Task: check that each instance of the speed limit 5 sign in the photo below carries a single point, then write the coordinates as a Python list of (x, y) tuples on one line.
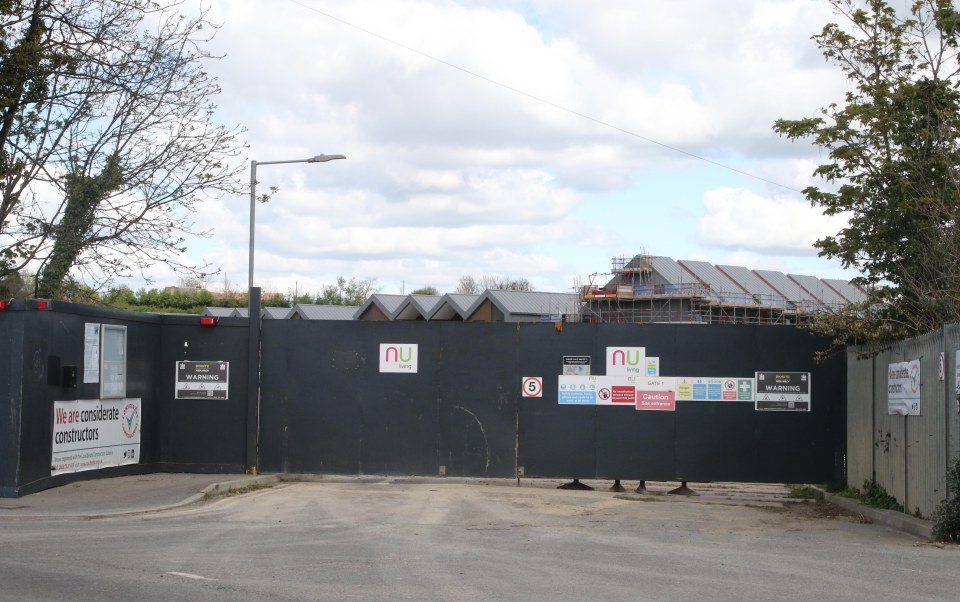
[(532, 386)]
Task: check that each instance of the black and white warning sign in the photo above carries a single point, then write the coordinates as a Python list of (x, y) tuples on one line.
[(576, 365), (202, 380), (786, 391)]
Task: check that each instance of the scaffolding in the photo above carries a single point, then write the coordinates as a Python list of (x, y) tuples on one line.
[(632, 297)]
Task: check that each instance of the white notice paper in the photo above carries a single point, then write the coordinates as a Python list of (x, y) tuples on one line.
[(91, 353)]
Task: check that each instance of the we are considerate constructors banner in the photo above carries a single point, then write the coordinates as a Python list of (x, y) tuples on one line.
[(95, 433)]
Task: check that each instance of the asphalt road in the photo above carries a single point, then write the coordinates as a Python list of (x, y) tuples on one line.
[(406, 540)]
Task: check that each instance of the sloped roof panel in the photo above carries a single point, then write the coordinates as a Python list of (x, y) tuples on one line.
[(747, 280), (820, 291), (452, 305), (848, 290), (710, 275), (784, 285), (388, 304), (276, 313), (534, 303), (721, 287), (218, 312), (310, 311), (670, 271)]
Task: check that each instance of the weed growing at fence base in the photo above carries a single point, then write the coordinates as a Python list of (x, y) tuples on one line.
[(805, 492), (874, 495)]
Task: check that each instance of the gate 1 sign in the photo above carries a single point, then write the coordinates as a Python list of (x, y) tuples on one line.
[(785, 391), (903, 388), (398, 357)]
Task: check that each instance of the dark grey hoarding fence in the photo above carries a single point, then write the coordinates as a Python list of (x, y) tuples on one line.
[(176, 435), (326, 407)]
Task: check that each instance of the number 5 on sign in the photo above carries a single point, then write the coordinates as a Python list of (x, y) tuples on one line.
[(532, 386)]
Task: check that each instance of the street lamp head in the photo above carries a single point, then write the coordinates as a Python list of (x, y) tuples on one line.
[(324, 158)]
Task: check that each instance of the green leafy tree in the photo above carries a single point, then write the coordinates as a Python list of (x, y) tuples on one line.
[(344, 292), (426, 290), (170, 300), (893, 155), (107, 137)]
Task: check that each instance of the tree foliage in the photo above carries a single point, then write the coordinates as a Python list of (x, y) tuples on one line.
[(171, 300), (107, 136), (893, 164), (469, 285), (344, 292), (426, 290)]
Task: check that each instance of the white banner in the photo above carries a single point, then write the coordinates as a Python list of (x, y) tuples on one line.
[(95, 433), (903, 388)]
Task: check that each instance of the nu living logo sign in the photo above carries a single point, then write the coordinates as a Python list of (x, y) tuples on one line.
[(398, 358), (626, 361)]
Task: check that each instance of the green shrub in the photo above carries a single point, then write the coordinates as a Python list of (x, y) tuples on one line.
[(946, 518), (875, 496)]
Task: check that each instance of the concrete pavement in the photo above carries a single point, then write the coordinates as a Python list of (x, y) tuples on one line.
[(162, 491), (125, 495)]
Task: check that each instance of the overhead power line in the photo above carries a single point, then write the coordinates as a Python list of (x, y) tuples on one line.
[(540, 99)]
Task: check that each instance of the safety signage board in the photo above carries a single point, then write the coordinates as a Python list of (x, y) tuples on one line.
[(532, 386), (202, 380), (576, 365), (577, 390), (597, 390), (903, 388), (653, 366), (785, 391), (657, 393)]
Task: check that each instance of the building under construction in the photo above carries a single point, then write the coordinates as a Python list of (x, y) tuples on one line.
[(649, 288)]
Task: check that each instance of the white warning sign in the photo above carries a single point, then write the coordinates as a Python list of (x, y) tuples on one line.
[(202, 380)]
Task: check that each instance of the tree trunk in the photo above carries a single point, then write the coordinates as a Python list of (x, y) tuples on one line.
[(84, 195)]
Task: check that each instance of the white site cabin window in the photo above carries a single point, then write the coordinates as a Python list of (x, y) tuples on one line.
[(113, 361)]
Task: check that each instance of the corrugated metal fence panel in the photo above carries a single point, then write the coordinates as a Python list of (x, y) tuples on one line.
[(951, 343), (926, 434), (909, 453), (889, 447), (860, 392)]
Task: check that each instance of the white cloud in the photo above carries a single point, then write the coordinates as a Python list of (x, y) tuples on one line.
[(448, 173), (743, 220)]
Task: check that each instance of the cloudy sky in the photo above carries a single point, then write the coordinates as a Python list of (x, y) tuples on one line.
[(521, 138)]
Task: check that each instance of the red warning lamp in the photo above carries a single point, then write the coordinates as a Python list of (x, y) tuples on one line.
[(208, 321), (3, 304), (43, 304)]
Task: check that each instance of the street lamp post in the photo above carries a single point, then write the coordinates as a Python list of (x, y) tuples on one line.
[(253, 314), (253, 197)]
